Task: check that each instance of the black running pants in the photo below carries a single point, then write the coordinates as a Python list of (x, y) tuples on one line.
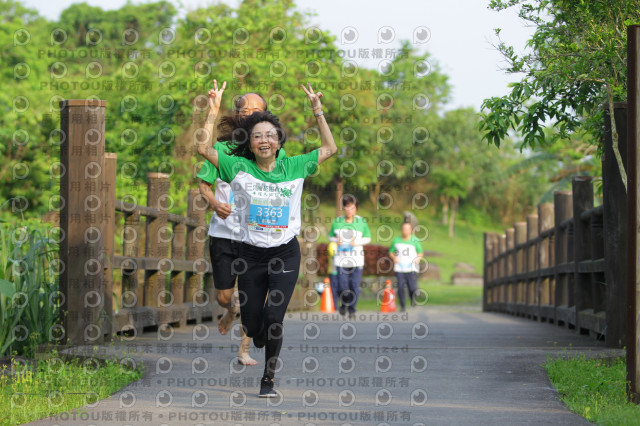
[(266, 280)]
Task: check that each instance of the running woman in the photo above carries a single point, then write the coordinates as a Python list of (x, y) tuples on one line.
[(406, 252), (223, 245), (268, 194)]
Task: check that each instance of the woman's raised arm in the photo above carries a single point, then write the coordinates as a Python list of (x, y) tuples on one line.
[(328, 145)]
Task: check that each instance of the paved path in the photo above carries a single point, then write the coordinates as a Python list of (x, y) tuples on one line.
[(435, 366)]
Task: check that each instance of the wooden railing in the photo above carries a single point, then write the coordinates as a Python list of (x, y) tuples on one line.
[(567, 264), (161, 274), (551, 273), (177, 283)]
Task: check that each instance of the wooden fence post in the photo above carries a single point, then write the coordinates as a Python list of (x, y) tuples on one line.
[(562, 211), (82, 249), (157, 237), (582, 201), (511, 263), (108, 230), (520, 236), (633, 262), (177, 277), (502, 250), (195, 251), (532, 264), (545, 256), (495, 272), (131, 296), (598, 284), (490, 273), (486, 272), (614, 201)]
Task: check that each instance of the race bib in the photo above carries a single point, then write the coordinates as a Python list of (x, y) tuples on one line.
[(263, 216), (345, 247)]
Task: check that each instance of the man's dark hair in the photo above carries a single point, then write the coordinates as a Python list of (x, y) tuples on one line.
[(240, 100), (237, 130), (349, 199)]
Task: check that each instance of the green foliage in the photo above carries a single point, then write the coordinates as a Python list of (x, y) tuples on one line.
[(153, 69), (594, 389), (394, 123), (29, 296), (456, 146), (55, 387), (503, 185), (574, 64)]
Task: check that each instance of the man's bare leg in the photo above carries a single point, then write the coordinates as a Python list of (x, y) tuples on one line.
[(243, 351), (226, 300)]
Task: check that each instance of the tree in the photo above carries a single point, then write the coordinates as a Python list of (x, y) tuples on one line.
[(456, 151), (23, 164), (576, 63), (407, 101), (152, 68)]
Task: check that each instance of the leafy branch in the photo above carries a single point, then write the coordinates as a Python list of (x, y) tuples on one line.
[(576, 64)]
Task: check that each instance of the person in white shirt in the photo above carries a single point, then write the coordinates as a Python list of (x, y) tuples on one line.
[(350, 232), (406, 252)]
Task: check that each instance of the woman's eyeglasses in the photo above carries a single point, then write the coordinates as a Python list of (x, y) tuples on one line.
[(271, 135)]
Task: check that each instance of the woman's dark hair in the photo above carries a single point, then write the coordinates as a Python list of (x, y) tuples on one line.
[(237, 130)]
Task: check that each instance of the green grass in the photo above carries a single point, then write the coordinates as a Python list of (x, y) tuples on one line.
[(594, 389), (56, 387), (437, 295)]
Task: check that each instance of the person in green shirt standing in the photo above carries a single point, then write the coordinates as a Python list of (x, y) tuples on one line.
[(406, 252), (350, 232)]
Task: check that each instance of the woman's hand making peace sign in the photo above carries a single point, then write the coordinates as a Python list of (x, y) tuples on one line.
[(316, 105), (328, 146)]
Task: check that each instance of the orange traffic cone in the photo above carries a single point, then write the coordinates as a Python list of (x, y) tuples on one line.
[(388, 298), (326, 304)]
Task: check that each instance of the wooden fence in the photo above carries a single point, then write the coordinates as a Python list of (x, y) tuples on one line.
[(567, 264), (163, 266), (554, 273)]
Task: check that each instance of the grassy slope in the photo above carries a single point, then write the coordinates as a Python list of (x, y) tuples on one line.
[(466, 246), (594, 389), (54, 387)]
